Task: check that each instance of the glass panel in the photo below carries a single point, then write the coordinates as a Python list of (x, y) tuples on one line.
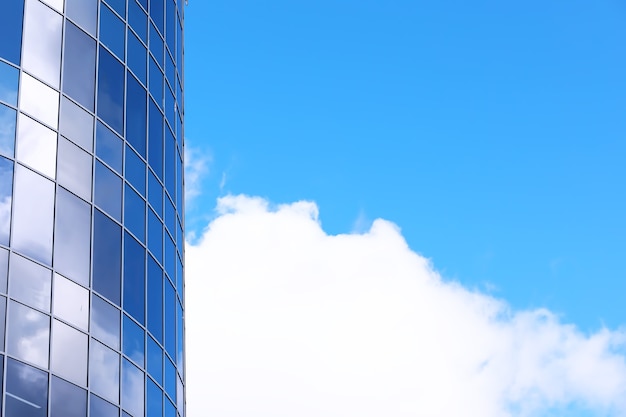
[(55, 4), (104, 371), (135, 171), (112, 31), (7, 130), (179, 276), (72, 240), (100, 408), (155, 235), (137, 56), (170, 72), (180, 336), (70, 302), (3, 316), (79, 67), (109, 147), (42, 42), (111, 91), (108, 193), (9, 79), (179, 46), (26, 391), (136, 117), (105, 322), (74, 169), (76, 124), (170, 410), (33, 215), (155, 400), (170, 108), (134, 278), (156, 83), (170, 257), (67, 400), (170, 379), (155, 361), (179, 395), (179, 185), (170, 319), (119, 6), (69, 353), (156, 12), (6, 196), (133, 344), (155, 194), (132, 389), (155, 138), (83, 12), (30, 283), (155, 299), (135, 213), (28, 334), (107, 261), (170, 23), (4, 269), (138, 21), (11, 20), (170, 167), (36, 146), (39, 101)]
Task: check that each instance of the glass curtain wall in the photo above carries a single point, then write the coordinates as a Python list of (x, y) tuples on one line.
[(91, 208)]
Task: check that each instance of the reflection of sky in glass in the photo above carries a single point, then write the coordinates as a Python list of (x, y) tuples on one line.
[(28, 334), (8, 83), (105, 322), (132, 389), (71, 302), (6, 188), (67, 400), (30, 283), (104, 371), (7, 130), (69, 353), (39, 101), (36, 146), (41, 54), (26, 391)]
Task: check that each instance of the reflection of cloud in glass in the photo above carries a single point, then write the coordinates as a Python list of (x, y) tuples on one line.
[(133, 389), (69, 353), (5, 219), (36, 146), (7, 129), (27, 390), (39, 101), (28, 334), (71, 302), (30, 283), (41, 54), (104, 372)]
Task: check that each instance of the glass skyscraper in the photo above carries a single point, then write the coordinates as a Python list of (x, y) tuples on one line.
[(91, 208)]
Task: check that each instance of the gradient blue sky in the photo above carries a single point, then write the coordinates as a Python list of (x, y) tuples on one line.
[(493, 133)]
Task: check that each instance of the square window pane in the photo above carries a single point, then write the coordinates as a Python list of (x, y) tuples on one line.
[(30, 283), (28, 334), (135, 171), (26, 391), (111, 91), (3, 316), (70, 302), (42, 42), (107, 257), (105, 322), (136, 115), (9, 77), (39, 101), (155, 361), (133, 344), (6, 196), (132, 389), (4, 269), (155, 400), (69, 353), (112, 31), (138, 21), (170, 379), (74, 169), (11, 20), (100, 408), (135, 213), (7, 130), (155, 299), (119, 6), (109, 147), (134, 278), (83, 12), (33, 215), (67, 400), (76, 124), (108, 192), (104, 372), (79, 66), (36, 146)]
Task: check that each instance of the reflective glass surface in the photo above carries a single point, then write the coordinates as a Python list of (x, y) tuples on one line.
[(84, 13), (112, 31), (156, 12), (74, 169), (119, 6), (33, 215), (156, 82), (28, 334), (69, 353), (70, 302), (104, 371), (107, 257), (133, 344), (42, 42), (155, 299), (100, 408), (72, 237), (155, 140), (134, 278), (136, 116), (138, 20), (39, 101), (30, 283), (3, 316), (105, 322), (132, 389), (111, 91), (155, 361), (109, 147), (170, 319), (170, 379), (4, 269), (108, 192), (135, 170), (26, 391), (135, 213), (137, 56), (76, 124), (36, 146), (9, 77), (11, 20), (155, 194), (154, 400), (155, 235), (6, 197), (79, 66), (7, 131), (67, 400)]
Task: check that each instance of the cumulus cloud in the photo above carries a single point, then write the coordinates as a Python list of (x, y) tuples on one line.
[(286, 320), (196, 169)]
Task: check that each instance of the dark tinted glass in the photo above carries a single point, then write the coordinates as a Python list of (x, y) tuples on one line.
[(26, 391), (179, 185), (134, 278), (6, 195), (155, 235), (83, 12), (105, 322), (107, 257), (112, 31), (100, 408), (170, 257), (170, 108), (170, 319), (170, 72), (8, 83), (170, 411), (11, 20), (156, 46), (155, 299), (179, 46), (155, 193), (109, 147), (170, 165), (133, 344), (135, 213), (155, 361), (136, 116), (7, 130), (154, 400), (119, 6), (67, 400), (111, 91), (108, 193), (138, 20), (135, 171), (156, 12), (170, 379), (137, 57), (170, 24), (156, 83), (155, 140), (79, 65)]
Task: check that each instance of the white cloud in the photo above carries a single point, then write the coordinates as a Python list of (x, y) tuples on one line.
[(196, 169), (285, 320)]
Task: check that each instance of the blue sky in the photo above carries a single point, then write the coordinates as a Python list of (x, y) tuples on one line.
[(491, 132)]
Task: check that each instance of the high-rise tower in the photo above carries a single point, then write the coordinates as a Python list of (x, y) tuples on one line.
[(91, 208)]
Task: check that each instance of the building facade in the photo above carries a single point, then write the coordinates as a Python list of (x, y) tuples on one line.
[(91, 208)]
